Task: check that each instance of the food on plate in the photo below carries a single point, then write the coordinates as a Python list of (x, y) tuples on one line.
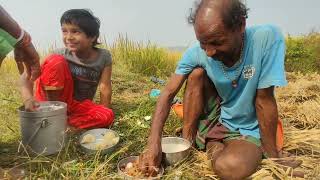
[(109, 139), (133, 170), (88, 138)]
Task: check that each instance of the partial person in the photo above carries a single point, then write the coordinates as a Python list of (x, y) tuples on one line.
[(74, 73), (229, 104), (14, 37)]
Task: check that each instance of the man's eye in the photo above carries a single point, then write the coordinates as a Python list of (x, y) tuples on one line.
[(215, 43), (202, 45)]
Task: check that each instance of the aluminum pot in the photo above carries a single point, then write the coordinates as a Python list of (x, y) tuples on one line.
[(44, 131)]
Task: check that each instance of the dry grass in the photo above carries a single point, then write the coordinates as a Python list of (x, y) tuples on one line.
[(299, 102)]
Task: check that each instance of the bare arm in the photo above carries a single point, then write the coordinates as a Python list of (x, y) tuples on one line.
[(105, 87), (24, 49), (152, 156), (30, 104), (267, 113), (8, 24), (162, 110), (26, 87)]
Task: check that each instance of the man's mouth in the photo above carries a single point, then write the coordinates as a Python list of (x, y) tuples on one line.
[(71, 44), (218, 57)]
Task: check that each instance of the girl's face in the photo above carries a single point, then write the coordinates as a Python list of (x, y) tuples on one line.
[(75, 39)]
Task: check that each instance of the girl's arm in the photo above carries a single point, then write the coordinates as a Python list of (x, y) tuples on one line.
[(105, 87)]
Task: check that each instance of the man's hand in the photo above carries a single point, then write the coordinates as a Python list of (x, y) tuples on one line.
[(31, 105), (286, 160), (26, 55), (150, 160)]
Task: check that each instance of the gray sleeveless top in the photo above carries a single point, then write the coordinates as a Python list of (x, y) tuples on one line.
[(86, 74)]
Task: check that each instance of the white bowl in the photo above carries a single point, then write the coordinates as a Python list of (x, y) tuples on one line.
[(174, 149)]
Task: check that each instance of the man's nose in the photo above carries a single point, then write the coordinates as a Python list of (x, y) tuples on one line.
[(210, 51)]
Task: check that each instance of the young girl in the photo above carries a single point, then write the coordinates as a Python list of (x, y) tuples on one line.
[(72, 74)]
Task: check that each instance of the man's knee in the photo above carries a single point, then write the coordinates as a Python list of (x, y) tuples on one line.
[(231, 167), (196, 75)]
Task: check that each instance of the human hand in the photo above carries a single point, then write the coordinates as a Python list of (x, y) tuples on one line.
[(150, 160), (31, 105), (27, 58), (287, 160)]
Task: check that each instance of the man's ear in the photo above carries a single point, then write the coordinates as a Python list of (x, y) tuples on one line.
[(243, 25)]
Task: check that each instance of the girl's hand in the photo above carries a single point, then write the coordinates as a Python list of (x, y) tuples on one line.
[(31, 105)]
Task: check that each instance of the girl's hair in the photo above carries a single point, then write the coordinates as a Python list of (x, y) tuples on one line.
[(85, 20)]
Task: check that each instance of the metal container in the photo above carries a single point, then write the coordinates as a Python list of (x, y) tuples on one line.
[(125, 161), (89, 148), (174, 149), (44, 130)]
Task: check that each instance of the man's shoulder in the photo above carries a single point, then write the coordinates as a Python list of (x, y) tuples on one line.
[(266, 32), (194, 50), (265, 36), (194, 47)]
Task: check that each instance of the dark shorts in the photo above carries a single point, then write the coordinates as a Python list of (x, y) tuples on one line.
[(210, 129)]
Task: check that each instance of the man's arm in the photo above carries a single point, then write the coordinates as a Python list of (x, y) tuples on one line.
[(24, 49), (8, 24), (163, 107), (105, 87), (152, 155), (267, 112)]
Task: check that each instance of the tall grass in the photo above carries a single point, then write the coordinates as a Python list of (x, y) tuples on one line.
[(144, 58), (303, 53)]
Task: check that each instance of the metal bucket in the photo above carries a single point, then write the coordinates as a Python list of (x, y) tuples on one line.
[(44, 130)]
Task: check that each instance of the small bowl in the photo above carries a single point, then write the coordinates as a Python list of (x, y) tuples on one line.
[(174, 149), (90, 148), (125, 161)]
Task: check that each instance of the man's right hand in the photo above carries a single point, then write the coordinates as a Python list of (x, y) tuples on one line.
[(150, 160)]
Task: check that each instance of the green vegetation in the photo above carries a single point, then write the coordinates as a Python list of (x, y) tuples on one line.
[(146, 59), (133, 65), (303, 53)]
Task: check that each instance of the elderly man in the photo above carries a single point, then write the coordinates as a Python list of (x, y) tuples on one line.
[(229, 104), (12, 36)]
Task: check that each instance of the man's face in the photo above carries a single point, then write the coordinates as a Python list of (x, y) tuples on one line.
[(216, 40)]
